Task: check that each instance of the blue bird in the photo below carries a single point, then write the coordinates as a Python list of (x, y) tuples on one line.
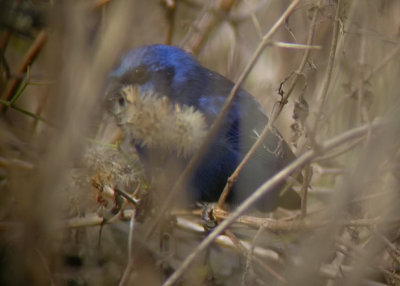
[(165, 102)]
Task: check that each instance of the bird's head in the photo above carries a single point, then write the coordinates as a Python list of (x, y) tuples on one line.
[(159, 69), (153, 94)]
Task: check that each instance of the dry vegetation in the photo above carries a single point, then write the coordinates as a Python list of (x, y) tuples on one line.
[(327, 72)]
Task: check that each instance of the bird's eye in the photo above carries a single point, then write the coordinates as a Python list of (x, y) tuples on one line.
[(121, 101)]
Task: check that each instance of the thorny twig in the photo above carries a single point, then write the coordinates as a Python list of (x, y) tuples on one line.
[(305, 57), (250, 153), (321, 98), (29, 57), (206, 23), (357, 253), (129, 267), (217, 123), (243, 250), (381, 64), (262, 190), (274, 116)]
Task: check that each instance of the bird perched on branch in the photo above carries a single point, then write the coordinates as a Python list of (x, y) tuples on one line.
[(165, 103)]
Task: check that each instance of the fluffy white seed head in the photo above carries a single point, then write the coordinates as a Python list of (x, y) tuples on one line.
[(153, 121)]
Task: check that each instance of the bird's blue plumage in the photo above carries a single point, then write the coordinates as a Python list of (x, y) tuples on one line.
[(169, 71)]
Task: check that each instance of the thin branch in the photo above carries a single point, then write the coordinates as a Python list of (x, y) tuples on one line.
[(295, 46), (341, 151), (305, 158), (304, 190), (26, 112), (243, 250), (306, 55), (29, 57), (239, 17), (92, 220), (321, 98), (381, 64), (218, 121), (274, 116), (253, 16), (250, 153), (170, 15), (394, 252), (208, 21), (357, 253), (129, 267), (195, 26)]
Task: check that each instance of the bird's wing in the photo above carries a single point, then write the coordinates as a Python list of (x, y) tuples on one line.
[(245, 121)]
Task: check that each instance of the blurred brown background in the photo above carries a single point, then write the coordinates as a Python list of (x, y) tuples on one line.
[(55, 56)]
